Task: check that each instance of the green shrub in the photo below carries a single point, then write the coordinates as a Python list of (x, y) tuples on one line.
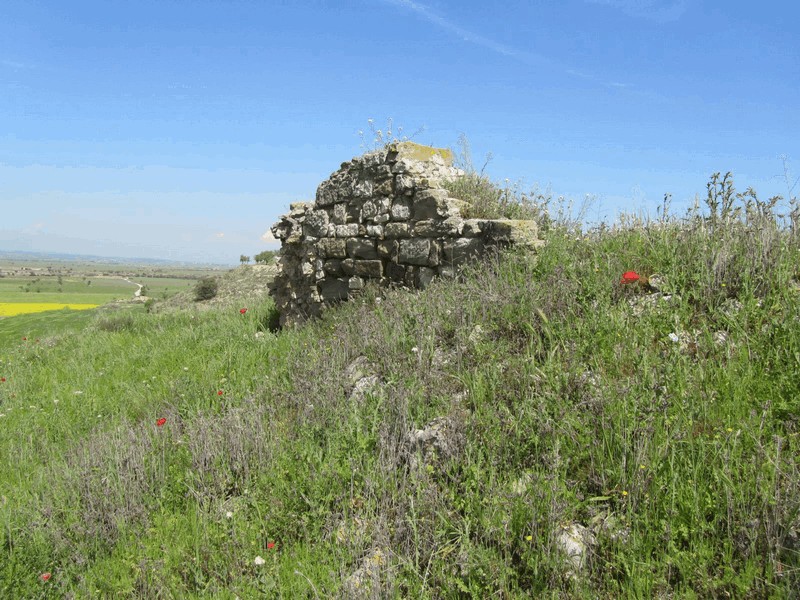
[(206, 289)]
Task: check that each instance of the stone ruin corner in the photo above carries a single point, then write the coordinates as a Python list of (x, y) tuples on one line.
[(385, 217)]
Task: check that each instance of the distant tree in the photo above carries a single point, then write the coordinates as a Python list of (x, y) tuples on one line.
[(244, 259), (265, 256)]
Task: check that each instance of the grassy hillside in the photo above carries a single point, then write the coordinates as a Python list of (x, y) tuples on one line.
[(195, 454)]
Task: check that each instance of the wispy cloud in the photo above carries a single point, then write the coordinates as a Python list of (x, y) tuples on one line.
[(469, 36), (530, 58), (660, 11)]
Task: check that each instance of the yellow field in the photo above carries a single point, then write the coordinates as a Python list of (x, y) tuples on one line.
[(10, 309)]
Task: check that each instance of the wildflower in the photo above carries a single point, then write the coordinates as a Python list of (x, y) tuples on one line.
[(259, 561), (2, 379), (629, 277), (24, 339), (624, 492), (229, 515), (270, 545), (161, 422), (45, 576), (242, 310), (528, 538), (219, 392)]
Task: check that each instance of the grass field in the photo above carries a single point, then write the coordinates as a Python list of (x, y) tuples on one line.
[(82, 290), (196, 454)]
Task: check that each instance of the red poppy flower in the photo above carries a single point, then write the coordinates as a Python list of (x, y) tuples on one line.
[(270, 545), (2, 379), (45, 576), (160, 422), (219, 392), (242, 310), (24, 339), (629, 277)]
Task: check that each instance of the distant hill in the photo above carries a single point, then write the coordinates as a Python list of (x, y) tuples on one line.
[(246, 283), (19, 255)]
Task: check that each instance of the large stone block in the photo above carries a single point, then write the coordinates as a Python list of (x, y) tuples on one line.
[(333, 289), (401, 209), (372, 269), (361, 248), (459, 250), (418, 152), (396, 230), (516, 232), (414, 251), (404, 185), (338, 214), (333, 267), (430, 204), (375, 231), (316, 223), (332, 248), (347, 231)]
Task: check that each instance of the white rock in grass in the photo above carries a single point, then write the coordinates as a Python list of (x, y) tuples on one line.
[(576, 542)]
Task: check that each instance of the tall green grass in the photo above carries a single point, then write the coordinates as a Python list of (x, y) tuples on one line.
[(668, 424)]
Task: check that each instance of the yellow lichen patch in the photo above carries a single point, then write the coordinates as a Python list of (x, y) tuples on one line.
[(416, 151), (11, 309)]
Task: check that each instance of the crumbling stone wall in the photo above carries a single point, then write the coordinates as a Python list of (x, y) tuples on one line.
[(383, 216)]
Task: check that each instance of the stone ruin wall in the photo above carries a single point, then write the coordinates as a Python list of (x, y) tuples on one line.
[(384, 217)]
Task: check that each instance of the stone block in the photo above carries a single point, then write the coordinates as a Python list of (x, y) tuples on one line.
[(427, 228), (381, 218), (508, 231), (355, 283), (332, 248), (473, 227), (333, 289), (396, 230), (347, 231), (414, 251), (372, 269), (384, 188), (369, 210), (430, 204), (316, 223), (361, 248), (375, 231), (401, 210), (459, 250), (404, 185), (333, 267), (348, 266), (338, 214), (328, 192), (417, 152)]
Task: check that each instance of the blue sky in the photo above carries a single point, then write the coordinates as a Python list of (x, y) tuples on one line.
[(182, 129)]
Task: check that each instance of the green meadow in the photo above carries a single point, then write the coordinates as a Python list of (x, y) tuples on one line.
[(200, 454)]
